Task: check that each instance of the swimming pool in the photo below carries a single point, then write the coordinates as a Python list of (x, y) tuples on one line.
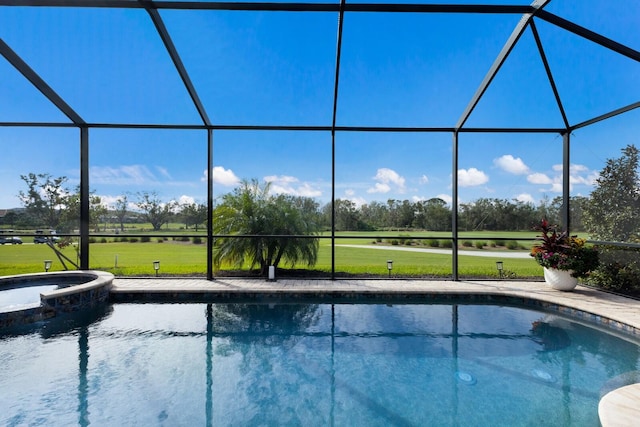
[(311, 364), (23, 297)]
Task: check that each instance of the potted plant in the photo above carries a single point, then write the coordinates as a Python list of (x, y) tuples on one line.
[(564, 258)]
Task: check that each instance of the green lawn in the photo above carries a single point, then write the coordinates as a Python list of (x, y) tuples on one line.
[(187, 259)]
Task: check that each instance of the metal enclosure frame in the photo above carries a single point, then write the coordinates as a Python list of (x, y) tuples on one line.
[(529, 15)]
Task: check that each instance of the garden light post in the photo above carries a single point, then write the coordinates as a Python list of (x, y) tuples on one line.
[(500, 267), (389, 266), (156, 266), (47, 265)]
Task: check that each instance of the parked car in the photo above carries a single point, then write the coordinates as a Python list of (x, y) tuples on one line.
[(45, 239), (9, 240)]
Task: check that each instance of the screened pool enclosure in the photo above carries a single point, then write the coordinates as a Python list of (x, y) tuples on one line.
[(383, 116)]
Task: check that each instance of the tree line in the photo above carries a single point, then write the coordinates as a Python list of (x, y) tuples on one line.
[(484, 214), (48, 204)]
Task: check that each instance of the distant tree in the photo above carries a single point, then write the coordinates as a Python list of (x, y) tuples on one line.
[(70, 218), (433, 215), (193, 214), (347, 215), (45, 198), (122, 204), (11, 218), (154, 210), (612, 213), (374, 214), (576, 206), (251, 210)]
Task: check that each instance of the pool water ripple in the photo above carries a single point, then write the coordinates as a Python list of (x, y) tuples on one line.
[(311, 364)]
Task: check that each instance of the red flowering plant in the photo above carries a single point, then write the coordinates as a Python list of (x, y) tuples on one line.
[(563, 252)]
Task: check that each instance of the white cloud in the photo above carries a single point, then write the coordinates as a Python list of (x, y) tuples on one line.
[(578, 168), (223, 176), (416, 199), (306, 190), (556, 187), (386, 177), (471, 177), (358, 201), (447, 198), (289, 185), (539, 178), (578, 175), (109, 201), (424, 179), (379, 188), (283, 179), (186, 200), (164, 172), (122, 175), (525, 198), (511, 164), (349, 194)]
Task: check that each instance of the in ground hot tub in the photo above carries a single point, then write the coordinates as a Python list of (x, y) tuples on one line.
[(29, 298)]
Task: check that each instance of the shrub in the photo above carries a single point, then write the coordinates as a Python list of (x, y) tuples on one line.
[(500, 242), (378, 240), (124, 239), (145, 239), (197, 240), (434, 243), (446, 244), (408, 242), (619, 270), (103, 240), (133, 240), (394, 242), (160, 239), (512, 244), (92, 239), (467, 243), (480, 244)]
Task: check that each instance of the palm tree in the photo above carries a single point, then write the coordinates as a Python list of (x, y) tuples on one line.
[(276, 228)]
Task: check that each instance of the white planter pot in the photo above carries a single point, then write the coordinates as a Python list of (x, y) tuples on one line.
[(561, 280)]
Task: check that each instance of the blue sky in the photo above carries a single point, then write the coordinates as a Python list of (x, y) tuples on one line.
[(277, 68)]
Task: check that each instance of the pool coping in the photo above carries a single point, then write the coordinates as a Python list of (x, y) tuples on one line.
[(85, 289), (610, 310), (98, 279)]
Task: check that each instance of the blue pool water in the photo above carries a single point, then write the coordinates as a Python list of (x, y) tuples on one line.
[(310, 365), (22, 297)]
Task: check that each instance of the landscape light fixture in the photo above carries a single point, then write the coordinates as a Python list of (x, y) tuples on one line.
[(500, 267), (389, 266), (47, 265), (272, 274), (156, 266)]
